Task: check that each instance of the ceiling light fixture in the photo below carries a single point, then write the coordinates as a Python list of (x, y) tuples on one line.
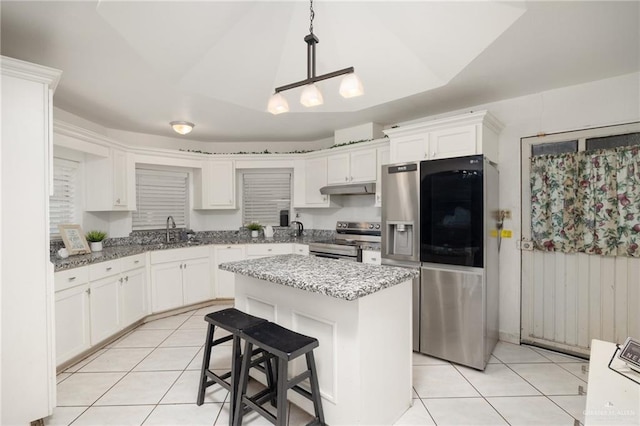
[(350, 87), (182, 127)]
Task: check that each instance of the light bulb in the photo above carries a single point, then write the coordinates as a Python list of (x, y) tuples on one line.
[(311, 96), (351, 86), (277, 104)]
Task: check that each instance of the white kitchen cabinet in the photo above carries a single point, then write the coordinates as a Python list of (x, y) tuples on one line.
[(225, 281), (215, 185), (301, 249), (467, 134), (133, 296), (180, 277), (27, 302), (196, 280), (73, 331), (104, 306), (372, 257), (352, 167), (255, 251), (383, 158), (110, 182), (309, 175)]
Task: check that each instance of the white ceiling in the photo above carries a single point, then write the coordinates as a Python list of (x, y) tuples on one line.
[(136, 66)]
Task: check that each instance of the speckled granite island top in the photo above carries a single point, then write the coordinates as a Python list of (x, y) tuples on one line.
[(335, 278)]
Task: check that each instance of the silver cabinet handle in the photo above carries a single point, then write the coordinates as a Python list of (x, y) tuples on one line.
[(346, 178), (72, 278), (126, 278), (89, 291), (109, 268), (118, 201), (136, 261), (374, 259), (269, 249)]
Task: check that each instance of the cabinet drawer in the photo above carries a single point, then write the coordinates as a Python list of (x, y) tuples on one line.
[(104, 269), (133, 262), (71, 278), (371, 257), (268, 249), (301, 249), (174, 255)]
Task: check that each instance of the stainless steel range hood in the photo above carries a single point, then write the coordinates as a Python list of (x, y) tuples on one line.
[(349, 189)]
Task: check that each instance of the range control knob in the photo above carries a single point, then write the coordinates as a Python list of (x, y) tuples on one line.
[(371, 226), (377, 226)]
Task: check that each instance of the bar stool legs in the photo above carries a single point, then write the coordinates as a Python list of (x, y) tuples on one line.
[(283, 345)]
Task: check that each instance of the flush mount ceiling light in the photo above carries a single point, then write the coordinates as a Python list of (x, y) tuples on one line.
[(182, 127), (350, 87)]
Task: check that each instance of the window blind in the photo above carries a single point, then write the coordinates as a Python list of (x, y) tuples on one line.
[(160, 194), (62, 204), (264, 195)]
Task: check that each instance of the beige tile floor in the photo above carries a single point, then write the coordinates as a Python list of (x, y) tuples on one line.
[(150, 377)]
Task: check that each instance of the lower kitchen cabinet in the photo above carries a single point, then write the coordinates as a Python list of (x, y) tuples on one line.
[(180, 277), (104, 306), (255, 251), (73, 333), (133, 296), (225, 281)]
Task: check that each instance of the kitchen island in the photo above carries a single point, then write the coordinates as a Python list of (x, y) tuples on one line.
[(361, 315)]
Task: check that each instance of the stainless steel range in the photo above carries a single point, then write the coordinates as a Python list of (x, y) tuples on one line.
[(348, 242)]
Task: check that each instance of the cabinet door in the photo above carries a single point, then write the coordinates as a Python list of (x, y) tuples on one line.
[(383, 158), (196, 279), (105, 307), (316, 178), (221, 185), (225, 281), (120, 180), (362, 166), (166, 286), (338, 169), (133, 296), (409, 148), (73, 334), (455, 142)]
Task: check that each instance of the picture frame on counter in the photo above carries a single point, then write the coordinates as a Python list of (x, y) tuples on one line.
[(74, 239)]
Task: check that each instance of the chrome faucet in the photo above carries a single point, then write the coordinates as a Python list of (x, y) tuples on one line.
[(173, 222)]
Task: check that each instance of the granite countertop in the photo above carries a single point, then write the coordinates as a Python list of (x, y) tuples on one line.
[(340, 279), (115, 252)]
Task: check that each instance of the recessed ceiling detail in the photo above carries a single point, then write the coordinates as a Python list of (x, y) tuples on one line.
[(237, 52)]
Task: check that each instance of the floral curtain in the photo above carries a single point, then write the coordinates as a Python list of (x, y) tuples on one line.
[(587, 202)]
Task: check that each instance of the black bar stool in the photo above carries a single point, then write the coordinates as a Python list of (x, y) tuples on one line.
[(233, 321), (284, 345)]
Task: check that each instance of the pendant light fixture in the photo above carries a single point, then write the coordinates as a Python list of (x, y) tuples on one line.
[(182, 127), (350, 87)]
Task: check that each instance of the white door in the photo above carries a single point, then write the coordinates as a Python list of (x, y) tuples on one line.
[(222, 184), (133, 296), (456, 142), (315, 178), (409, 148), (105, 307), (225, 281), (196, 278), (363, 166), (73, 333), (338, 169), (166, 286), (570, 299)]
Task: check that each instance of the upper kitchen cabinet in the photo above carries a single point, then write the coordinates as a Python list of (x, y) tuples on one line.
[(309, 175), (110, 182), (467, 134), (383, 158), (352, 167), (215, 185)]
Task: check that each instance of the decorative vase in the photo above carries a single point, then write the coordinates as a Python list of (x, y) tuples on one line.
[(254, 234), (96, 246)]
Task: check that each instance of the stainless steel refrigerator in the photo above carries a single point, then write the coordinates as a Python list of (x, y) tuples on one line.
[(441, 219)]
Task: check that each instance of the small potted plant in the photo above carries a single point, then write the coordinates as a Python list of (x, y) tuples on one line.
[(95, 239), (255, 228)]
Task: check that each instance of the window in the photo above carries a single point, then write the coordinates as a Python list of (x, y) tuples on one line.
[(160, 194), (62, 204), (264, 194)]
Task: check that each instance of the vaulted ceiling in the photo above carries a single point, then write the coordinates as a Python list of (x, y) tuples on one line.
[(136, 66)]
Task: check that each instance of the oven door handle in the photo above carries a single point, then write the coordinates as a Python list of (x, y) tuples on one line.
[(333, 256)]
